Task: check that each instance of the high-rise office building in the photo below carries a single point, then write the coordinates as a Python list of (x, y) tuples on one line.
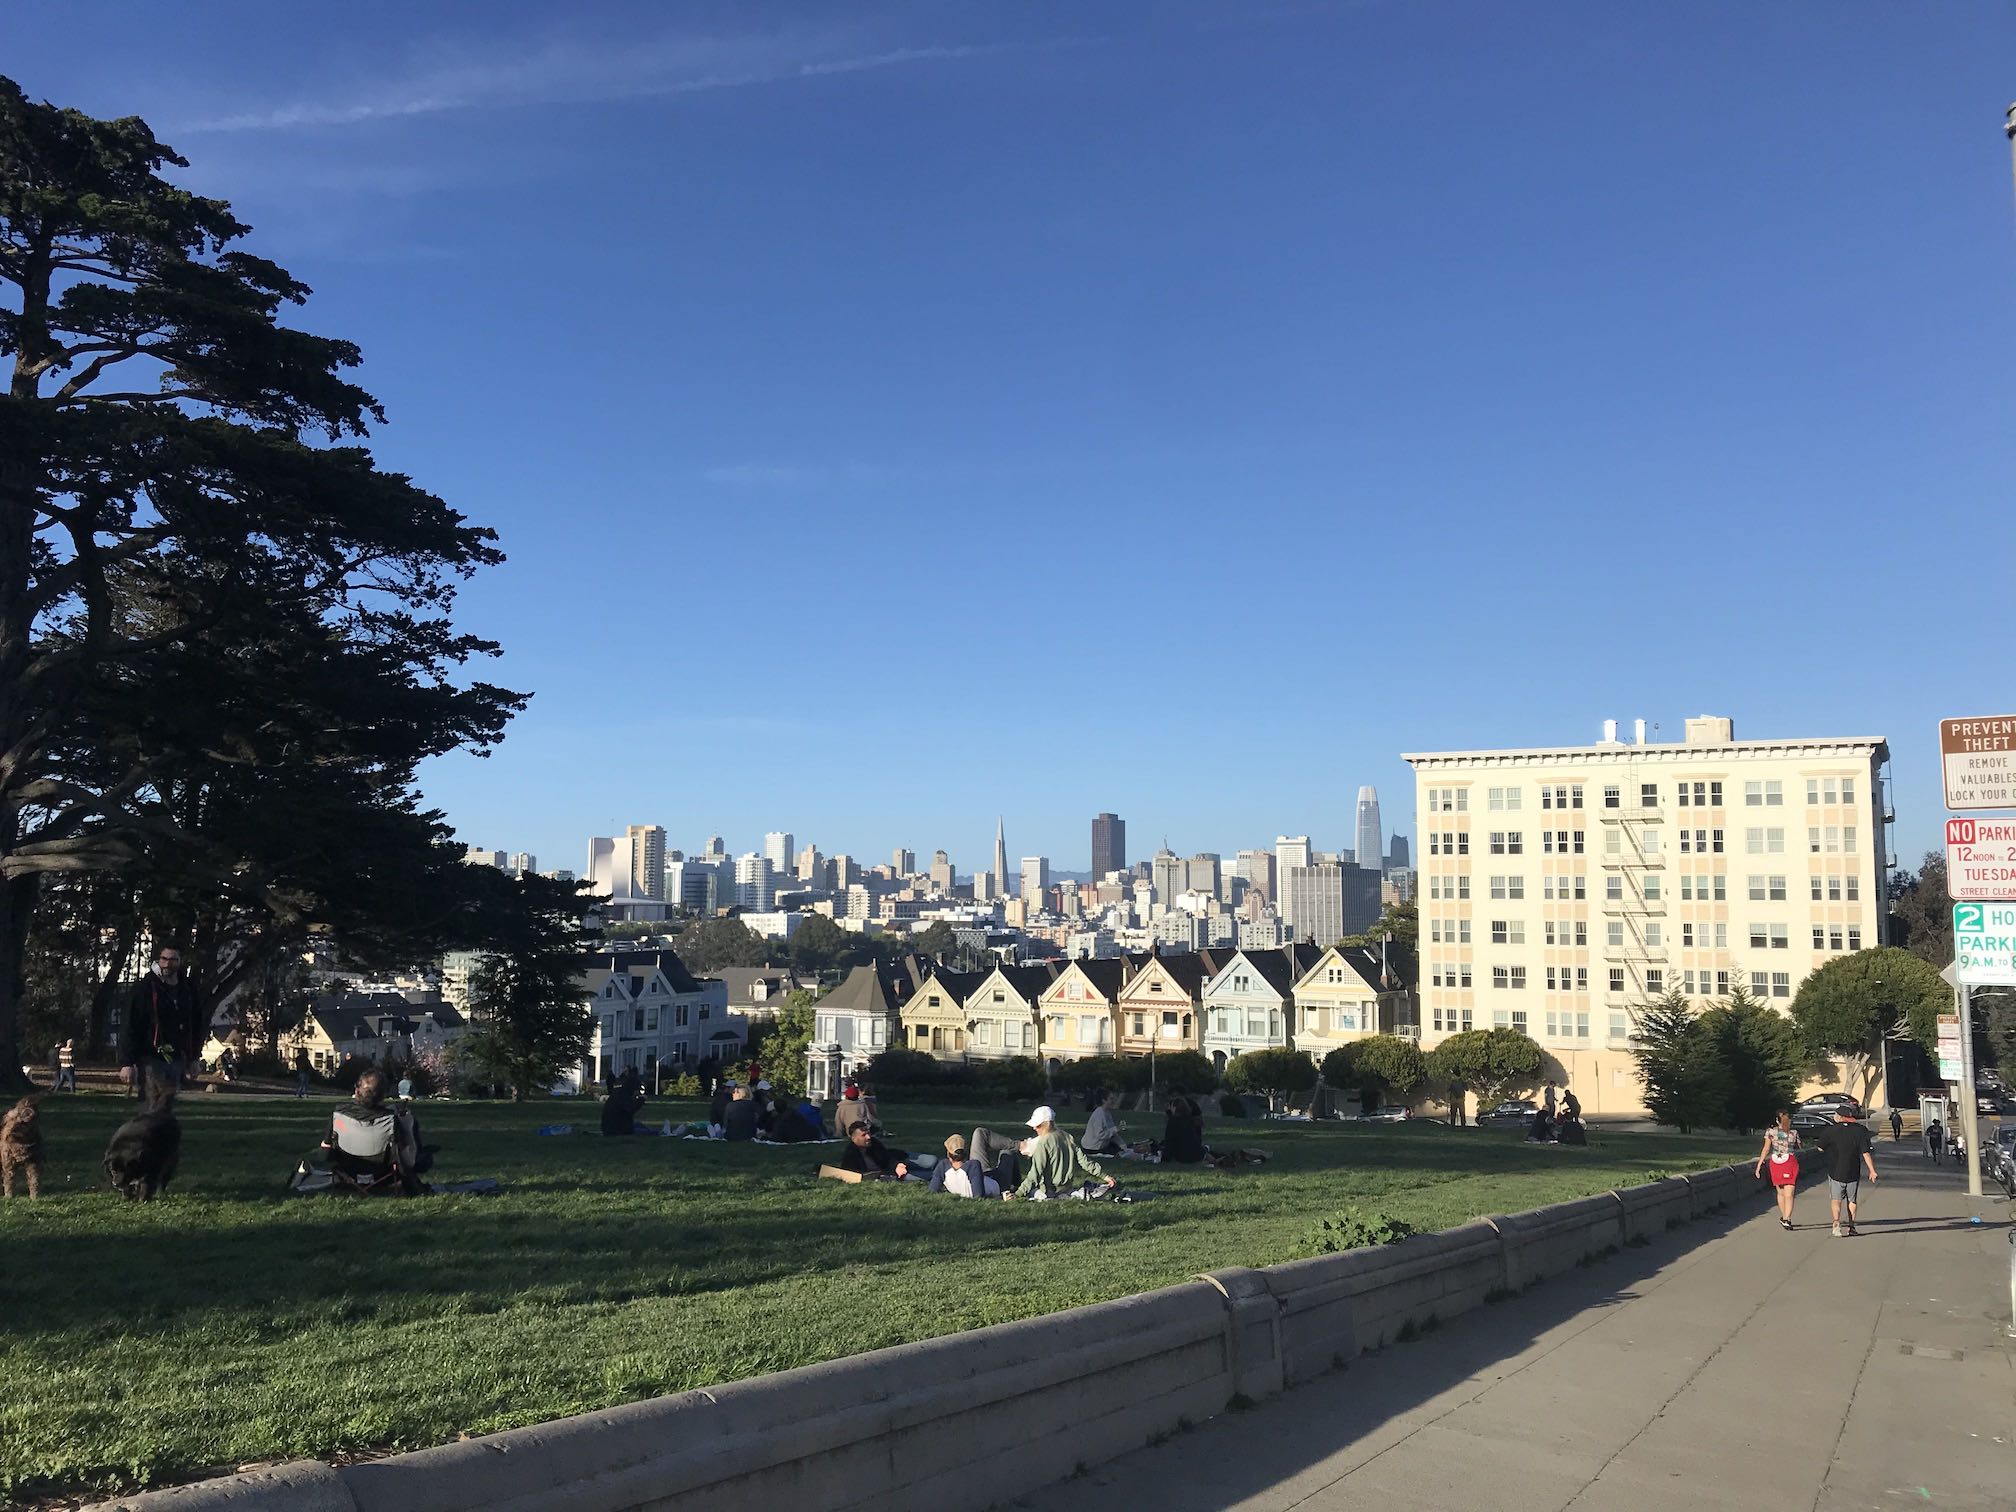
[(1166, 874), (942, 874), (609, 869), (755, 884), (476, 855), (1398, 857), (904, 861), (522, 863), (717, 849), (1257, 867), (647, 861), (812, 866), (1562, 887), (1109, 845), (846, 873), (1036, 881), (777, 845), (1200, 873), (1371, 848), (1000, 853)]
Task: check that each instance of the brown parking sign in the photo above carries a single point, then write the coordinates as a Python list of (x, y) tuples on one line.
[(1978, 758)]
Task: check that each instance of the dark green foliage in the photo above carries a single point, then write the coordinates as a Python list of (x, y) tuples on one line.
[(1380, 1063), (1763, 1056), (709, 944), (1923, 908), (1493, 1063), (1272, 1073), (898, 1067), (225, 642), (1355, 1228), (1686, 1083), (1852, 1000), (524, 996), (779, 1046), (1113, 1073), (1183, 1071)]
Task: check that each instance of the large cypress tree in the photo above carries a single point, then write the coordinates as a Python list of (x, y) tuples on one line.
[(204, 575)]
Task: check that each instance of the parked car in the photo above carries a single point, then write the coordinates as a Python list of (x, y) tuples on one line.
[(1391, 1113), (1812, 1118), (1517, 1110), (1827, 1102), (1990, 1102)]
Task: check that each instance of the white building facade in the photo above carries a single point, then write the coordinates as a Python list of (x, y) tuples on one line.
[(1559, 888)]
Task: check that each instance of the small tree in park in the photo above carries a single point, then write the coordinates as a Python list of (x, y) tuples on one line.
[(1494, 1063)]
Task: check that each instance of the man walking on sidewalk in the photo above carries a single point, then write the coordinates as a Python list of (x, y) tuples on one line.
[(1847, 1145)]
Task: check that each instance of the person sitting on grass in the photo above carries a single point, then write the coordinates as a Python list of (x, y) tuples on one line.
[(788, 1123), (738, 1121), (1102, 1129), (852, 1109), (621, 1106), (815, 1121), (960, 1174), (866, 1155), (1058, 1169), (374, 1148), (717, 1109), (1182, 1133)]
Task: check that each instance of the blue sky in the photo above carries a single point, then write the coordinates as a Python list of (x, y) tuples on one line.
[(900, 415)]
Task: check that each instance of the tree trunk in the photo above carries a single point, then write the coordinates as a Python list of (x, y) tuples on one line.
[(98, 1038), (17, 906)]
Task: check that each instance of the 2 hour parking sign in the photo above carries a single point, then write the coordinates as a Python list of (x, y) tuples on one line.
[(1984, 944)]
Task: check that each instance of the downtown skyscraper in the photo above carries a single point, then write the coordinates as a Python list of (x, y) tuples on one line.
[(1371, 836), (1109, 845), (1000, 857)]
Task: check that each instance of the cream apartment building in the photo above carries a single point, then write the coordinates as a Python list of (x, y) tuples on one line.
[(1560, 887)]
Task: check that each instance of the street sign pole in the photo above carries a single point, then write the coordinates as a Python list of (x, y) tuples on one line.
[(1970, 1113)]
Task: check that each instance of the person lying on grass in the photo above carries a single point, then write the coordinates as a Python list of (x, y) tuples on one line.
[(1057, 1167), (866, 1154)]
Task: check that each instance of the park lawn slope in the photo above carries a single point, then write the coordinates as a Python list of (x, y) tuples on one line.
[(231, 1323)]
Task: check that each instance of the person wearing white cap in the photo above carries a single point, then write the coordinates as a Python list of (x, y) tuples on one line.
[(1057, 1167)]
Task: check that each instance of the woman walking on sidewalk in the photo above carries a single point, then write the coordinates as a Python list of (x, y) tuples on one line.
[(1781, 1149)]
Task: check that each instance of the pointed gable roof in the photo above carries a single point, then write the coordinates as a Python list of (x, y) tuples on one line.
[(1030, 980), (865, 989), (1361, 962), (1185, 969)]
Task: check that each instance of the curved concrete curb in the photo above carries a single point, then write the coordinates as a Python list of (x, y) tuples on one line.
[(974, 1419)]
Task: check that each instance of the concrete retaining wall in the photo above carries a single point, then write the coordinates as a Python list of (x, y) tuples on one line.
[(894, 1430)]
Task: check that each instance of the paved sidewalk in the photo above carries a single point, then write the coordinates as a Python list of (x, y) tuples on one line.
[(1753, 1369)]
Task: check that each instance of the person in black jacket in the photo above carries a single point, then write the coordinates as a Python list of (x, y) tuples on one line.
[(1182, 1133), (867, 1155), (158, 1035)]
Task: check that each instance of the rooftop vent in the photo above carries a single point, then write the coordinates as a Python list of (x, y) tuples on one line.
[(1710, 729)]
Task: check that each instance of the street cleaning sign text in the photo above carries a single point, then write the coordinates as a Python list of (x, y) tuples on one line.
[(1978, 757), (1984, 944), (1981, 859)]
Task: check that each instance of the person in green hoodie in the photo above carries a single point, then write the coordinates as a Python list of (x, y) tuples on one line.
[(1057, 1167)]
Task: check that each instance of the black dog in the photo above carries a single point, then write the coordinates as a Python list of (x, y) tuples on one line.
[(142, 1155)]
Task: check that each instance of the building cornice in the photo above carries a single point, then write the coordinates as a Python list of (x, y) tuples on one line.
[(1675, 754)]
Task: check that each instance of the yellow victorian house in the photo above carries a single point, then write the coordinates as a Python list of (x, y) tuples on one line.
[(1347, 995), (1162, 1005), (1080, 1009), (934, 1016)]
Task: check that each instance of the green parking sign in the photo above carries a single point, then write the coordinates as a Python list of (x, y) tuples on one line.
[(1984, 944)]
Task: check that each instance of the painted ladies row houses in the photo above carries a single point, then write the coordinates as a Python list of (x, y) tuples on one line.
[(1223, 1002)]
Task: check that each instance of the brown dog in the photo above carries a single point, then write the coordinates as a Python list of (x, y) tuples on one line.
[(21, 1147)]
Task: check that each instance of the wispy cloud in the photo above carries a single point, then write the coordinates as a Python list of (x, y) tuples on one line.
[(574, 75)]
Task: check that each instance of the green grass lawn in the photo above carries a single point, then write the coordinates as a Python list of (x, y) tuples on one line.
[(230, 1322)]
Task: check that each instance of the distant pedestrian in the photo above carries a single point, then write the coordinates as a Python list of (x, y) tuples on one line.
[(66, 1066), (1548, 1101), (1459, 1111), (1781, 1149), (1571, 1105), (1896, 1126), (1935, 1140), (1847, 1145)]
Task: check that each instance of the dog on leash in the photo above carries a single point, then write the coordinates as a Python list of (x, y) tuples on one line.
[(21, 1147), (144, 1150)]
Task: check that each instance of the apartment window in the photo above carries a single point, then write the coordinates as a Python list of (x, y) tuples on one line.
[(1652, 937), (1651, 842), (1830, 790), (1501, 976), (1721, 983), (1854, 939), (1560, 797), (1781, 984), (1770, 794), (1767, 888), (1507, 843), (1501, 1018), (1648, 795), (1552, 1020), (1620, 1026), (1760, 984), (1820, 937), (1694, 794), (1581, 978), (1519, 1015), (1503, 800), (1652, 888), (1140, 1023), (1613, 796), (1768, 936), (1463, 981), (1508, 932), (875, 1028), (1613, 934), (1655, 980), (1760, 841), (1613, 889), (1448, 800)]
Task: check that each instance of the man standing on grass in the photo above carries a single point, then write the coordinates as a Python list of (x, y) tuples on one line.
[(1057, 1167), (1847, 1144), (159, 1031)]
